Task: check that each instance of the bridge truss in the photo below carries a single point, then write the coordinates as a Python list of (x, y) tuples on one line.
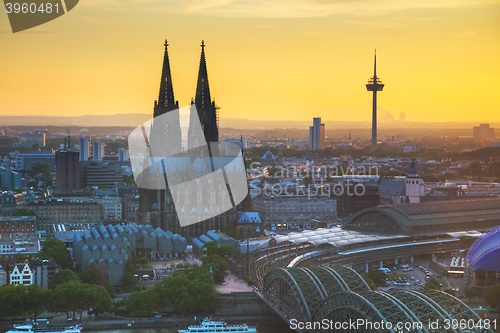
[(339, 295)]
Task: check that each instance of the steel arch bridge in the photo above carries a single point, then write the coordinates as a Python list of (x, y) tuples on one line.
[(340, 295)]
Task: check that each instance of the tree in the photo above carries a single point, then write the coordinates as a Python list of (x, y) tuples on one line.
[(230, 230), (20, 257), (218, 262), (469, 293), (68, 297), (38, 168), (479, 292), (203, 295), (13, 300), (140, 302), (217, 275), (54, 248), (377, 276), (369, 282), (129, 180), (75, 297), (225, 250), (36, 300), (186, 291), (63, 276), (110, 289), (432, 284), (97, 298), (128, 281), (90, 275), (141, 260), (212, 247), (492, 296), (474, 169)]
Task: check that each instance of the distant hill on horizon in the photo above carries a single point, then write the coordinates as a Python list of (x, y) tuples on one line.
[(135, 119)]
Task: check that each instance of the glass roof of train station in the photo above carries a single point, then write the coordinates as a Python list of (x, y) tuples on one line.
[(335, 236)]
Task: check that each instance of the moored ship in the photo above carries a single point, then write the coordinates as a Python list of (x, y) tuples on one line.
[(33, 328), (209, 325)]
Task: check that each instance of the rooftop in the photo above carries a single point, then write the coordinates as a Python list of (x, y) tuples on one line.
[(439, 212), (335, 236)]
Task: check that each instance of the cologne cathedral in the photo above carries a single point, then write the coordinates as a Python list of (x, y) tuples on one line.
[(156, 206)]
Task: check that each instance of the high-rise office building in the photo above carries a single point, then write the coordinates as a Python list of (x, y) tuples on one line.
[(10, 179), (98, 150), (85, 148), (317, 135), (67, 170), (97, 174), (123, 155), (483, 131)]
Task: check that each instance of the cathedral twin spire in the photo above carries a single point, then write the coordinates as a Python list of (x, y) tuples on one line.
[(207, 111), (166, 96), (202, 96)]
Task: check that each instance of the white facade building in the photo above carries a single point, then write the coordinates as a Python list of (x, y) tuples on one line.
[(112, 206), (294, 212), (22, 274)]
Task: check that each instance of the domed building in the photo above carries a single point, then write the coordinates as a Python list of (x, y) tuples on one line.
[(483, 260)]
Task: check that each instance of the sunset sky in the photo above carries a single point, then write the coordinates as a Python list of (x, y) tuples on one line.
[(267, 59)]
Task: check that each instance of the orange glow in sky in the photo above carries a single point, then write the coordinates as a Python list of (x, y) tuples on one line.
[(267, 59)]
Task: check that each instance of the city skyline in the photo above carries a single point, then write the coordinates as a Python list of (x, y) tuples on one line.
[(283, 61)]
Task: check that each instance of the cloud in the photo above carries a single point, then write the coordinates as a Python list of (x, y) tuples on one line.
[(314, 8), (287, 8)]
